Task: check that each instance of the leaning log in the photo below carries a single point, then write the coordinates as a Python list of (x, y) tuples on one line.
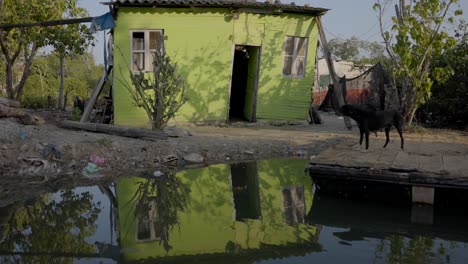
[(314, 116), (25, 117), (115, 130), (9, 102)]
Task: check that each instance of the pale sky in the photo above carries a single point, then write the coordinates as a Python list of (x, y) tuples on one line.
[(346, 18)]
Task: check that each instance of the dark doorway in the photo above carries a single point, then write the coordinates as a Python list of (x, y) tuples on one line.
[(243, 99), (245, 190)]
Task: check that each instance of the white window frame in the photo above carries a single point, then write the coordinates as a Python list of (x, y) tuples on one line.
[(146, 51), (150, 219), (295, 208), (295, 57)]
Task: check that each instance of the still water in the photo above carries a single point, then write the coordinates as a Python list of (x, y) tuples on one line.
[(257, 212)]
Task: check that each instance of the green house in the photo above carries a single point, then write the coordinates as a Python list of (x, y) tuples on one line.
[(239, 212), (243, 60)]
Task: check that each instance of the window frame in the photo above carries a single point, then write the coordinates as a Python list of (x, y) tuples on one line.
[(294, 56), (147, 52), (149, 220), (294, 208)]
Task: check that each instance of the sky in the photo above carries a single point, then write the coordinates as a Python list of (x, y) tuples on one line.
[(346, 18)]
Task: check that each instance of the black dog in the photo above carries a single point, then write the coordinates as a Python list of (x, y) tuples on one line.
[(370, 119)]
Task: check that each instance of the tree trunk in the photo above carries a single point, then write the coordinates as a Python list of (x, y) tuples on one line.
[(9, 80), (410, 114), (65, 98), (62, 84), (25, 117), (28, 60)]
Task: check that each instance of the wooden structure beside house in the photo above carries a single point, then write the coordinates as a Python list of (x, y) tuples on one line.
[(243, 60), (360, 85)]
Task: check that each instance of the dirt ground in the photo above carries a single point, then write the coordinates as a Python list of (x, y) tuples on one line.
[(48, 158)]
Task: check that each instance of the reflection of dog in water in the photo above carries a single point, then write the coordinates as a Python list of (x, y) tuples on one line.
[(370, 119)]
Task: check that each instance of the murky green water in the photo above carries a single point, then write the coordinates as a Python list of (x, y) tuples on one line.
[(258, 212)]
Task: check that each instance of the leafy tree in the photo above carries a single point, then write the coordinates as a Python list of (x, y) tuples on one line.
[(419, 39), (53, 226), (162, 93), (357, 50), (345, 49), (448, 105), (20, 45), (81, 76), (70, 39)]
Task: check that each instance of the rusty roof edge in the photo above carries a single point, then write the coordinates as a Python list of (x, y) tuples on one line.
[(291, 8)]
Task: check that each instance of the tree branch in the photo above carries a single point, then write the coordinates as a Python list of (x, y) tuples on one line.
[(3, 47), (428, 48), (27, 69), (382, 7)]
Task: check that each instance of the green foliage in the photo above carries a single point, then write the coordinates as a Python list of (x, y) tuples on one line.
[(69, 39), (162, 93), (161, 198), (357, 50), (417, 249), (81, 74), (20, 45), (76, 114), (448, 105), (419, 40), (53, 226)]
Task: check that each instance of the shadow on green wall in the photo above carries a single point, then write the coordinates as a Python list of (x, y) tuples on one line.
[(287, 91), (204, 92)]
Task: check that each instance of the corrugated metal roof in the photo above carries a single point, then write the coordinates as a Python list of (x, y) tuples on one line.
[(224, 3)]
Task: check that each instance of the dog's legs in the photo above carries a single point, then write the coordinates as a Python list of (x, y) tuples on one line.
[(361, 132), (399, 129), (387, 136), (366, 132)]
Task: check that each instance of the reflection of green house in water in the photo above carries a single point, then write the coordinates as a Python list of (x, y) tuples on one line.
[(256, 213), (243, 60)]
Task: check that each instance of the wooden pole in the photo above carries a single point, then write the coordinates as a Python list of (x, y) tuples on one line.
[(331, 69), (94, 96), (48, 23), (122, 131), (25, 117)]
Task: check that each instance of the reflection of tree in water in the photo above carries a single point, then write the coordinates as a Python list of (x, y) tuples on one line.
[(52, 227), (398, 249), (157, 203)]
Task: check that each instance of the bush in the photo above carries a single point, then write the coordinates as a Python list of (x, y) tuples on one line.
[(448, 105)]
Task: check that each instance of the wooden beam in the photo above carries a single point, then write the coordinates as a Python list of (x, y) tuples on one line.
[(331, 69), (48, 23), (122, 131), (92, 100), (25, 117)]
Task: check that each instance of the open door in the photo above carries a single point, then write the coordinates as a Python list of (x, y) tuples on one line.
[(246, 194), (244, 84)]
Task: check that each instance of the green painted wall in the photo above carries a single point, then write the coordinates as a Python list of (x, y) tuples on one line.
[(201, 41), (252, 82), (208, 223)]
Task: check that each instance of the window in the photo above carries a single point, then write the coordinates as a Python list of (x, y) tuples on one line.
[(149, 226), (294, 205), (144, 46), (295, 54)]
